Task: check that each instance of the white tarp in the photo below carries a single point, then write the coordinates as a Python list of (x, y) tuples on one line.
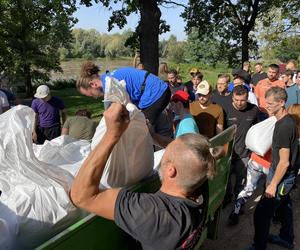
[(34, 204), (35, 179)]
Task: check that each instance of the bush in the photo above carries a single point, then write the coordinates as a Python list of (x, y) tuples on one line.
[(63, 84)]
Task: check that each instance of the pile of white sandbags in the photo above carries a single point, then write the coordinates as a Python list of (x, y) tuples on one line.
[(35, 179)]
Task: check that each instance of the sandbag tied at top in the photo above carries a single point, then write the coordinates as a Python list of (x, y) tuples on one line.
[(259, 137), (132, 158)]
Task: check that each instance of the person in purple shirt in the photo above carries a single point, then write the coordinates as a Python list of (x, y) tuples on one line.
[(48, 111)]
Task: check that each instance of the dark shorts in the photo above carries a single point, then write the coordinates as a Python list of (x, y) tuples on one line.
[(48, 133), (153, 111)]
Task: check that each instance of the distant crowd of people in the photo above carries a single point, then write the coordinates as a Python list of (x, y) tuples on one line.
[(180, 110)]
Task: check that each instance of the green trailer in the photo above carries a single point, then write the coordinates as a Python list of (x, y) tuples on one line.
[(94, 232)]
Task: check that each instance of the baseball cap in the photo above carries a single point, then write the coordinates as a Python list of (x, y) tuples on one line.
[(203, 88), (194, 71), (42, 91), (181, 96)]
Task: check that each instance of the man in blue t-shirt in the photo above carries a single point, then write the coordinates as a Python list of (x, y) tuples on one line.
[(148, 92)]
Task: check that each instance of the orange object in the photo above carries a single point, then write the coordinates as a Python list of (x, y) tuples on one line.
[(264, 161)]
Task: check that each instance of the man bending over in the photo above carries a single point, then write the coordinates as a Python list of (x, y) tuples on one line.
[(168, 219)]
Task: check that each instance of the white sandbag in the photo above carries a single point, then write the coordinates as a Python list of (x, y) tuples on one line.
[(132, 157), (259, 137), (34, 204), (64, 152), (157, 158)]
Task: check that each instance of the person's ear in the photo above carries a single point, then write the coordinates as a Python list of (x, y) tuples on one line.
[(171, 170), (93, 84)]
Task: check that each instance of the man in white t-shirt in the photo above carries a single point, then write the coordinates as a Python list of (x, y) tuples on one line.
[(4, 105)]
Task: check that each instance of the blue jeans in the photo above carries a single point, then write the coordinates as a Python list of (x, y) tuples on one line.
[(266, 208)]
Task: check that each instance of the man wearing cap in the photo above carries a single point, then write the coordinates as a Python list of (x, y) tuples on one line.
[(184, 121), (48, 110), (209, 117)]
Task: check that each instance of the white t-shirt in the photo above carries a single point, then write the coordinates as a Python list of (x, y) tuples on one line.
[(252, 98), (3, 101)]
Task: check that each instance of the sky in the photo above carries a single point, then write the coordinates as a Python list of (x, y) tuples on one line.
[(97, 16)]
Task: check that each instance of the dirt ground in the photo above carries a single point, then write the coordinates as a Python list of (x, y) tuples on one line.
[(240, 236)]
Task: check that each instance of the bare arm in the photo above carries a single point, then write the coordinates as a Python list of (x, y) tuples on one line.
[(85, 192), (281, 169), (63, 115), (34, 134), (64, 131)]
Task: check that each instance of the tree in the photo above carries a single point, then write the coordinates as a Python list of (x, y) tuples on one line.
[(148, 28), (207, 50), (288, 48), (280, 33), (31, 34), (233, 21), (175, 50)]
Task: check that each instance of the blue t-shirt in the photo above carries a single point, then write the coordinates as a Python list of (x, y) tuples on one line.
[(154, 88), (186, 125), (231, 86)]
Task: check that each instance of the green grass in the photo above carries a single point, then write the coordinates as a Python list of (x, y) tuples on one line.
[(74, 100)]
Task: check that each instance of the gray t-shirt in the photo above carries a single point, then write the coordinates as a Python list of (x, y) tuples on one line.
[(159, 220)]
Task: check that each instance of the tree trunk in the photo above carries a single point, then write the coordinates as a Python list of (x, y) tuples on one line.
[(148, 34), (27, 80), (245, 45)]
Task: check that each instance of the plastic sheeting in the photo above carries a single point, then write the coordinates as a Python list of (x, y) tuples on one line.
[(35, 179), (34, 204), (259, 136)]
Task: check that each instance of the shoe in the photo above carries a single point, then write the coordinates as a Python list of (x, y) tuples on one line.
[(276, 239), (233, 219)]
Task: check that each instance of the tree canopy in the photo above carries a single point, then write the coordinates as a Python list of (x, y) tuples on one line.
[(233, 21), (148, 28), (31, 32)]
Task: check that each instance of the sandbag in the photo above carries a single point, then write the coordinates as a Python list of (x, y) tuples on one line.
[(34, 204), (132, 157), (259, 136)]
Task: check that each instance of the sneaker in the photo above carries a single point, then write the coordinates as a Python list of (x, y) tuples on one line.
[(276, 239), (233, 219)]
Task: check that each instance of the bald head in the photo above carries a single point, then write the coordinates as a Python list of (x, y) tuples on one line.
[(190, 156)]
